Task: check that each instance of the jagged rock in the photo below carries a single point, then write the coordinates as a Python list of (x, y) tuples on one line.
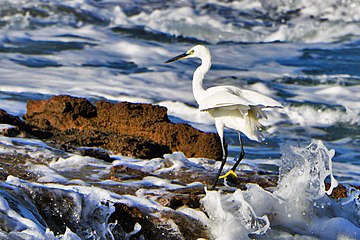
[(155, 226), (140, 130), (58, 208)]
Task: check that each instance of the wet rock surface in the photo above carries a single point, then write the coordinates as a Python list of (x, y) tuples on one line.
[(167, 182), (158, 227), (59, 209)]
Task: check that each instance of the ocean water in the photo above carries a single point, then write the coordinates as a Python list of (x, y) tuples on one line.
[(305, 54)]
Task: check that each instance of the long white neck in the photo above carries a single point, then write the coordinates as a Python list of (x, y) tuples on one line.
[(198, 77)]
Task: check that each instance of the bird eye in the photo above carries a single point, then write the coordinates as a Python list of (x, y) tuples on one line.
[(191, 52)]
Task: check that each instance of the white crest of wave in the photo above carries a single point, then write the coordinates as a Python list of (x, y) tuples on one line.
[(295, 21)]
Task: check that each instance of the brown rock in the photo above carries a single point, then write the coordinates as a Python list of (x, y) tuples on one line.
[(151, 122), (140, 130), (119, 143), (117, 116), (339, 192), (190, 198), (123, 172), (61, 112)]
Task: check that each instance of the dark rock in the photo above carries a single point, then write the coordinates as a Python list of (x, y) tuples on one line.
[(263, 179), (190, 198), (189, 227), (157, 227), (21, 128), (14, 165), (122, 172), (182, 176), (7, 118), (11, 131), (98, 153), (58, 209)]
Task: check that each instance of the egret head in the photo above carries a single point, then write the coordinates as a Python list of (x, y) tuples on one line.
[(199, 51)]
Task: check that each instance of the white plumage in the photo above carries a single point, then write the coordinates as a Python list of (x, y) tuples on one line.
[(231, 107)]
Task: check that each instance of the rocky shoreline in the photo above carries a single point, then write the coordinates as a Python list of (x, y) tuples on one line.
[(74, 126)]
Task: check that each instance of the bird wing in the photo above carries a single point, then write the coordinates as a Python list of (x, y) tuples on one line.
[(233, 97), (259, 99)]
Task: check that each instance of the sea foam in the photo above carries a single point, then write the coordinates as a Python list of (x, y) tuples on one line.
[(299, 205)]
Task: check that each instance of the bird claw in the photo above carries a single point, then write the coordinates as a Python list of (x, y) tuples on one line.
[(230, 172)]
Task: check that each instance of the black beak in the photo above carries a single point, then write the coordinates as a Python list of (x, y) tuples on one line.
[(181, 56)]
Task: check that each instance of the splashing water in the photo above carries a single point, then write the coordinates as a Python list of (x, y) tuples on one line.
[(231, 217), (305, 170), (299, 205)]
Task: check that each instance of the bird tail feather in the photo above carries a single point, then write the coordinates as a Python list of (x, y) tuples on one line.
[(254, 126)]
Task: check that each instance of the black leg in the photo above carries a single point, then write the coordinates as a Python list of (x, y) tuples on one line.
[(241, 156), (223, 161), (219, 172)]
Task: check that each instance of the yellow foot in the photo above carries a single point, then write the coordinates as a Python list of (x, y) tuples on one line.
[(231, 172)]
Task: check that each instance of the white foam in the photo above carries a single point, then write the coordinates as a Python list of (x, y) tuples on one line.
[(46, 174), (155, 182), (306, 26), (91, 197), (327, 21), (334, 95), (76, 162), (298, 205), (69, 235), (231, 217), (5, 127)]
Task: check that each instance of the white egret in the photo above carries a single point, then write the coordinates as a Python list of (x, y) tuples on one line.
[(231, 107)]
